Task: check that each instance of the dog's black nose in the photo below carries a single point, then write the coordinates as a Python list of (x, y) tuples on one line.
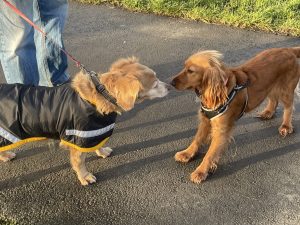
[(169, 87), (173, 83)]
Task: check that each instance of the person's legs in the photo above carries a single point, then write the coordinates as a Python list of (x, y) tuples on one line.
[(17, 49), (50, 16)]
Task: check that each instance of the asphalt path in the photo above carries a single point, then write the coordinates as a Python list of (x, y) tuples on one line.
[(257, 181)]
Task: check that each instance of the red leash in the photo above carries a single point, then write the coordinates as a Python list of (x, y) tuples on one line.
[(99, 87), (17, 11)]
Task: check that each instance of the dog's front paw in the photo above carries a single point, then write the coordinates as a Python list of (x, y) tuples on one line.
[(198, 176), (104, 152), (7, 156), (284, 130), (183, 156), (89, 178)]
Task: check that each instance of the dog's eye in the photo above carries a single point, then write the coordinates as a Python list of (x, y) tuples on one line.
[(189, 71)]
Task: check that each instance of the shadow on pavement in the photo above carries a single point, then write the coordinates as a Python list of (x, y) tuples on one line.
[(233, 167), (124, 169)]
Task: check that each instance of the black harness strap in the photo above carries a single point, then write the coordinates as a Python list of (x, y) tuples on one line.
[(211, 113), (100, 87)]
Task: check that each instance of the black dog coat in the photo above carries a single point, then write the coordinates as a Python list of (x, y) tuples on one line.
[(30, 113)]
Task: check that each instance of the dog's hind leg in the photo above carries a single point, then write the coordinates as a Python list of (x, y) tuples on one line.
[(286, 126), (7, 156), (77, 159), (200, 138), (287, 98), (269, 111)]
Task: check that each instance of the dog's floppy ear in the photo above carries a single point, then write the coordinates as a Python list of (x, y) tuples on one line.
[(128, 94), (215, 91), (125, 89)]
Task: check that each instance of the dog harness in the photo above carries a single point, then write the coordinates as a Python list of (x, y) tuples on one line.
[(213, 113), (30, 113)]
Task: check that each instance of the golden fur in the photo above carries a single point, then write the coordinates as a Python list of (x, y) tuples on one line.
[(129, 82), (273, 73)]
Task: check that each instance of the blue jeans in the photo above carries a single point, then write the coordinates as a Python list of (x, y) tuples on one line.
[(26, 56)]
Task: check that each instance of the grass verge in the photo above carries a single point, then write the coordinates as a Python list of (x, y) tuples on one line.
[(4, 221), (276, 16)]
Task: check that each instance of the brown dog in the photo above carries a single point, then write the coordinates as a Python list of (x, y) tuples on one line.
[(74, 113), (225, 93)]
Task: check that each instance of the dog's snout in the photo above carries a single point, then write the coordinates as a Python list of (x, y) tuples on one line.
[(169, 87)]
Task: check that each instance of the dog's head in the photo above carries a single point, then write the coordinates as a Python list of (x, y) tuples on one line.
[(203, 72), (131, 82)]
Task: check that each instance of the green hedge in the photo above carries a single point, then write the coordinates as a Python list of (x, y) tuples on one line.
[(4, 221), (278, 16)]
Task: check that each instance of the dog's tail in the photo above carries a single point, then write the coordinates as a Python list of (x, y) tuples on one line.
[(296, 51)]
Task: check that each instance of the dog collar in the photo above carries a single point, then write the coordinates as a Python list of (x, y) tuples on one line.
[(102, 90), (213, 113), (100, 87)]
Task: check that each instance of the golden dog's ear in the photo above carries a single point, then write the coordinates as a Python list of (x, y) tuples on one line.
[(215, 91), (125, 89), (127, 93)]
